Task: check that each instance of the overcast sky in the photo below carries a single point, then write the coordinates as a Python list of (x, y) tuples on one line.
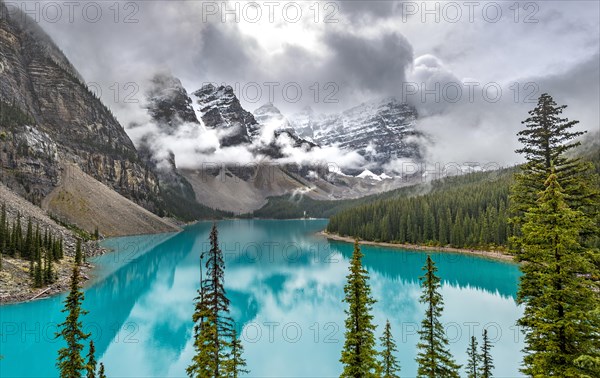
[(354, 51)]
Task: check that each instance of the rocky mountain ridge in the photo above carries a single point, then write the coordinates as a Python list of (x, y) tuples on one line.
[(266, 134), (380, 131), (50, 120), (68, 123)]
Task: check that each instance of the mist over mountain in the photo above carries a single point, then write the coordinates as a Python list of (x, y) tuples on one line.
[(367, 118), (384, 53), (193, 170)]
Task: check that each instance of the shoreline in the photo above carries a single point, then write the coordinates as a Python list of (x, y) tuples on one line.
[(28, 294), (91, 248), (496, 255), (63, 270)]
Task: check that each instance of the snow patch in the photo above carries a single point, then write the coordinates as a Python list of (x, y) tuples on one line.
[(366, 174)]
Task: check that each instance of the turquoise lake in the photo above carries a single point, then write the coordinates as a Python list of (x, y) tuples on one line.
[(285, 283)]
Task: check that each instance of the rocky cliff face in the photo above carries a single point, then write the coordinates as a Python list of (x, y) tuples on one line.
[(169, 103), (380, 131), (222, 110), (68, 122), (261, 130), (267, 133), (170, 107)]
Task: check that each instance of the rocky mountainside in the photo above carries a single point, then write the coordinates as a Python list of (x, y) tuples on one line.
[(380, 131), (268, 136), (66, 122), (170, 107), (222, 110), (91, 205), (266, 131), (169, 103)]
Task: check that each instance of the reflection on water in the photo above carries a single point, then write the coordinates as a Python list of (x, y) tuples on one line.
[(285, 284)]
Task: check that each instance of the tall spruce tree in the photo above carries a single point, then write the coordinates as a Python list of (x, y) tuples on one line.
[(434, 358), (90, 367), (39, 271), (78, 254), (358, 354), (70, 362), (12, 248), (60, 249), (236, 364), (18, 238), (390, 368), (213, 326), (487, 362), (28, 245), (3, 230), (473, 360), (547, 140), (49, 273), (202, 365), (557, 287)]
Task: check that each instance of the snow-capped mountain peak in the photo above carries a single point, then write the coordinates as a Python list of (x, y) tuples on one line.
[(366, 174), (381, 131)]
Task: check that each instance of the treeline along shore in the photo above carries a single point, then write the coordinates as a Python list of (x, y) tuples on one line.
[(497, 255)]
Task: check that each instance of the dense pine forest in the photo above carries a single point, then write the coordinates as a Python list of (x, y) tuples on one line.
[(469, 211), (41, 248), (464, 212)]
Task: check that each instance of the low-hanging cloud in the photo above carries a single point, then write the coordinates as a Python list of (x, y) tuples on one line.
[(371, 51), (196, 146)]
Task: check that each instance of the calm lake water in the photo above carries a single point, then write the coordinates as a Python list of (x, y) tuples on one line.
[(285, 284)]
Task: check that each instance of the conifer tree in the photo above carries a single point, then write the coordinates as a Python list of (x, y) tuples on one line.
[(213, 328), (204, 328), (434, 358), (473, 360), (487, 363), (358, 354), (90, 367), (46, 240), (546, 139), (13, 240), (390, 368), (3, 231), (45, 278), (39, 272), (235, 364), (78, 258), (36, 238), (101, 373), (18, 237), (70, 362), (32, 269), (28, 246), (557, 287), (49, 270)]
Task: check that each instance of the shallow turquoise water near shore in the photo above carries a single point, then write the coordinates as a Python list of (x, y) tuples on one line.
[(286, 285)]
